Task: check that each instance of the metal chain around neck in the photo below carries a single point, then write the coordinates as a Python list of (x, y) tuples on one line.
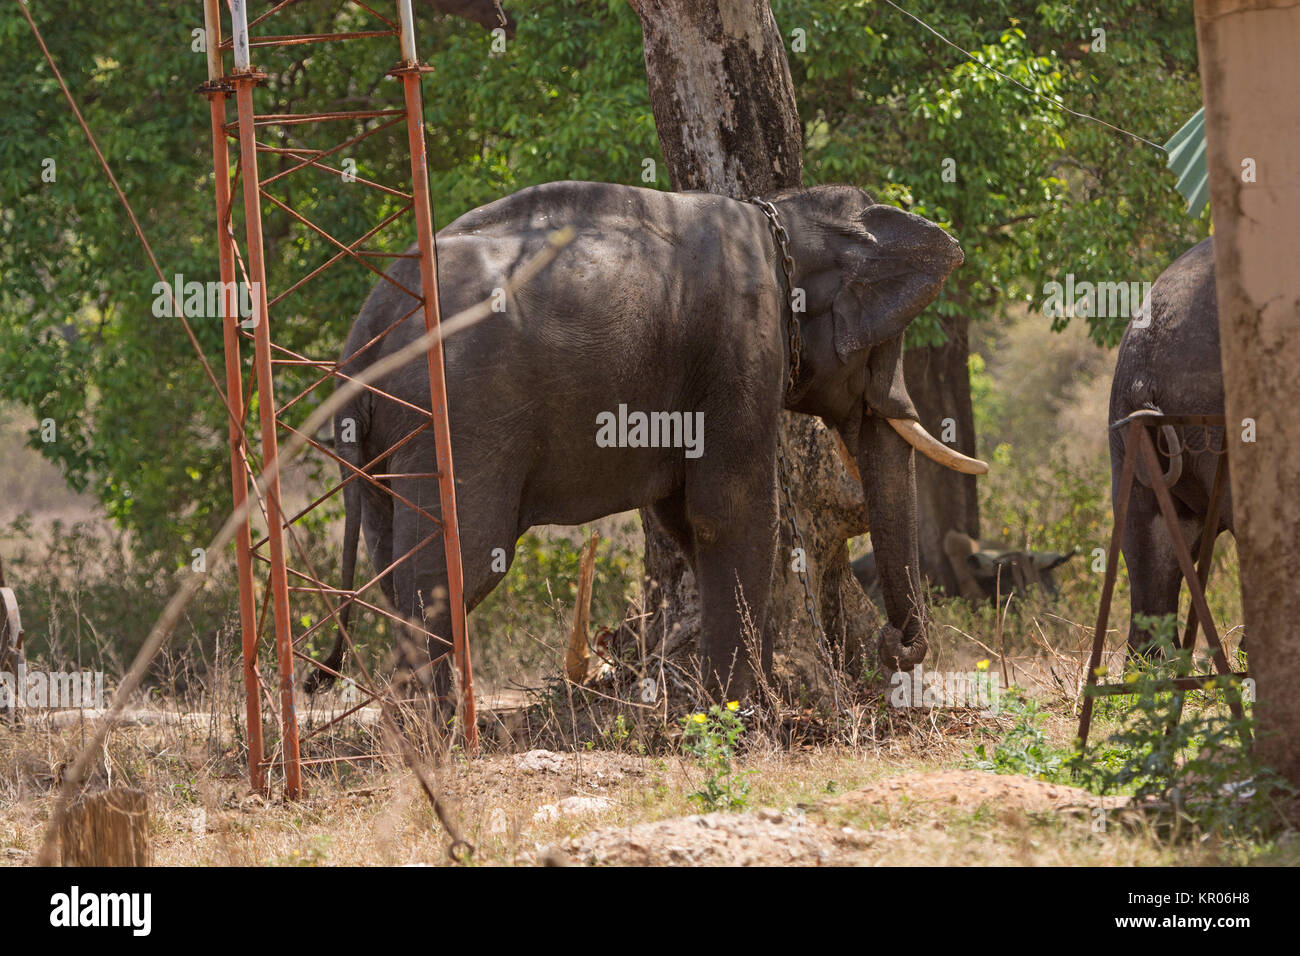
[(795, 342), (796, 347)]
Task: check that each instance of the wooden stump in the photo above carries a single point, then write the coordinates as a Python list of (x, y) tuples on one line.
[(109, 828)]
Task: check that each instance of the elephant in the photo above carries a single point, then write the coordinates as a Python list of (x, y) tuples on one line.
[(1169, 362), (665, 304), (983, 575), (990, 575)]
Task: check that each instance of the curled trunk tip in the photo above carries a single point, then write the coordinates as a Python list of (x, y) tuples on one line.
[(895, 654)]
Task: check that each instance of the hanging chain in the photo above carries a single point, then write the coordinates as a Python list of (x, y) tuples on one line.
[(783, 475), (787, 266)]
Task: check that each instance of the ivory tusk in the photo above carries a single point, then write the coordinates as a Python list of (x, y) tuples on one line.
[(1175, 449), (935, 450)]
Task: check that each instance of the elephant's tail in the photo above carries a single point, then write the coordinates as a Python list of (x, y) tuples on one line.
[(320, 679)]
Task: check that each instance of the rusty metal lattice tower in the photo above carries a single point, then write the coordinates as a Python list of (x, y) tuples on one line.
[(288, 578)]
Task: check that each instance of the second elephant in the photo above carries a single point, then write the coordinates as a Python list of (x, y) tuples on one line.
[(1169, 362)]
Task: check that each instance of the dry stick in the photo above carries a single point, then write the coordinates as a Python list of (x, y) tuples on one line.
[(1002, 615), (987, 650), (171, 614), (577, 659)]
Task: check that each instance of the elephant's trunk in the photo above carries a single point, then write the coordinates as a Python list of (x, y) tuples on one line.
[(888, 469)]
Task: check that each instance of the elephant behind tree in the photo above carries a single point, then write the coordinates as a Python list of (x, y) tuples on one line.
[(1170, 365), (665, 304), (983, 575)]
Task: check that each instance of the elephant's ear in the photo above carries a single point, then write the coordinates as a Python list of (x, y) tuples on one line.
[(894, 264)]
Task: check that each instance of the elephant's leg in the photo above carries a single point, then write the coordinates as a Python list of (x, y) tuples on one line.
[(1155, 578), (670, 514), (488, 521), (733, 529), (420, 594)]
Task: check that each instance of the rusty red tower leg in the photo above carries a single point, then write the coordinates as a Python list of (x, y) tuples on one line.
[(410, 72), (216, 91), (245, 78)]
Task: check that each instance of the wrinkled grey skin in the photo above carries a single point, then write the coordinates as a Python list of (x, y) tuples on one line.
[(664, 302), (1172, 366)]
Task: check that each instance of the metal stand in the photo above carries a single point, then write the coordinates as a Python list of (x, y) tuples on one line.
[(267, 354), (1139, 442)]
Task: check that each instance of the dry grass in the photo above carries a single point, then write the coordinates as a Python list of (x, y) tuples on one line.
[(511, 807)]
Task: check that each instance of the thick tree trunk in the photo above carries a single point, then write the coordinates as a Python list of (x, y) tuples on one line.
[(725, 111), (938, 379), (1250, 76)]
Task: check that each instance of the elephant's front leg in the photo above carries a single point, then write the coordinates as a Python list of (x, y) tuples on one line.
[(732, 516)]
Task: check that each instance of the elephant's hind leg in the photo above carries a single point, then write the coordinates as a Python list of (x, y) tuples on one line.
[(421, 646), (424, 654), (1155, 578), (733, 529)]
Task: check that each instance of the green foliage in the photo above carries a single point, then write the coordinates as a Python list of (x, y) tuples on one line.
[(537, 597), (1060, 507), (1181, 754), (1037, 193), (712, 738), (86, 601), (1024, 749), (1185, 749), (986, 404)]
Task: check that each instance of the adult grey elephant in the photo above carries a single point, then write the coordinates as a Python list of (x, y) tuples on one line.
[(1169, 362), (668, 304)]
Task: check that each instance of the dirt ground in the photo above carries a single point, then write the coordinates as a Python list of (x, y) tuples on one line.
[(908, 801), (808, 834)]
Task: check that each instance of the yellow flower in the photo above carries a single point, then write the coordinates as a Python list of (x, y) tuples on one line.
[(982, 665), (698, 718), (733, 705)]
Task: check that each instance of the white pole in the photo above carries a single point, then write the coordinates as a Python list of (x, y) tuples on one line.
[(239, 30), (408, 32), (212, 26)]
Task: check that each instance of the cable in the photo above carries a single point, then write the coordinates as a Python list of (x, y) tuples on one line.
[(135, 223), (1060, 106)]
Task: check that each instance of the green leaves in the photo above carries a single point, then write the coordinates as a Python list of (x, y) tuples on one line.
[(1031, 192), (1036, 192)]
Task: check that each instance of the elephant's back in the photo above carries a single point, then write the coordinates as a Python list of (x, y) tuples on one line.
[(1173, 362), (1183, 304)]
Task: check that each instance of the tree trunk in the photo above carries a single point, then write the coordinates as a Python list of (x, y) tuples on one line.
[(1250, 75), (938, 379), (108, 828), (725, 111)]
